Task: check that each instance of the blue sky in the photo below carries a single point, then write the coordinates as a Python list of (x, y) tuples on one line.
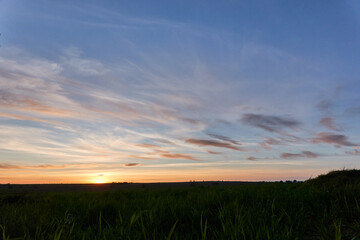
[(144, 91)]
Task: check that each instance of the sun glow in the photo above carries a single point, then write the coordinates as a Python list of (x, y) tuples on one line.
[(99, 179)]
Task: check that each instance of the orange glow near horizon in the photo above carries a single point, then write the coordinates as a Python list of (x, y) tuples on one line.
[(173, 175)]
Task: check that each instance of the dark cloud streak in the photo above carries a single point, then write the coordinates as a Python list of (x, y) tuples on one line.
[(303, 154), (131, 164), (212, 143), (269, 123), (335, 139), (223, 138)]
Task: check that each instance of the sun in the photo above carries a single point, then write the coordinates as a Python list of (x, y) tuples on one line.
[(99, 181)]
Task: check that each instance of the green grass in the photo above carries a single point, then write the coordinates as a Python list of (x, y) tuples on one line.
[(310, 210)]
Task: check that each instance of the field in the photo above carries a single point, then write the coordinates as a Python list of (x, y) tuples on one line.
[(324, 208)]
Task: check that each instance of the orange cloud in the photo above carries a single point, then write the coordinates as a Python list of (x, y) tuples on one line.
[(44, 166), (17, 102), (26, 118), (145, 145), (178, 156)]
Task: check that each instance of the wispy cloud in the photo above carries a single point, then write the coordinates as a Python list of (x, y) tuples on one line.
[(325, 105), (192, 121), (337, 140), (355, 110), (329, 123), (268, 142), (355, 152), (46, 166), (141, 157), (8, 166), (132, 164), (223, 138), (26, 118), (216, 153), (146, 145), (29, 104), (273, 141), (73, 61), (269, 123), (178, 156), (303, 154), (212, 143)]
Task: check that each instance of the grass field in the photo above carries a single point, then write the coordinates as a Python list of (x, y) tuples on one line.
[(324, 208)]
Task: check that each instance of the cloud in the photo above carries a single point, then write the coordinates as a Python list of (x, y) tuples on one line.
[(266, 144), (285, 139), (24, 103), (310, 154), (212, 143), (325, 105), (291, 155), (335, 139), (192, 121), (212, 152), (329, 123), (82, 66), (8, 166), (132, 164), (291, 139), (50, 166), (178, 156), (353, 110), (251, 158), (164, 141), (356, 152), (273, 141), (44, 166), (223, 138), (26, 118), (269, 123), (146, 145), (303, 154), (141, 157)]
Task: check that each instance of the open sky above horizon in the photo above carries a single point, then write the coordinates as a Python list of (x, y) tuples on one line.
[(163, 91)]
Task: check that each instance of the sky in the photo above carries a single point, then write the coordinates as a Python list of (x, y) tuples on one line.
[(164, 91)]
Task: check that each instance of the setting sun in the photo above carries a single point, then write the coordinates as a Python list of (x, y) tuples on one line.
[(179, 119), (99, 181)]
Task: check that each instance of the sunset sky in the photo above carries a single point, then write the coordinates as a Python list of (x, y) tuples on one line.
[(162, 91)]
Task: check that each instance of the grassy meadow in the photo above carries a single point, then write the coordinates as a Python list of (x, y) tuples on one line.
[(327, 207)]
